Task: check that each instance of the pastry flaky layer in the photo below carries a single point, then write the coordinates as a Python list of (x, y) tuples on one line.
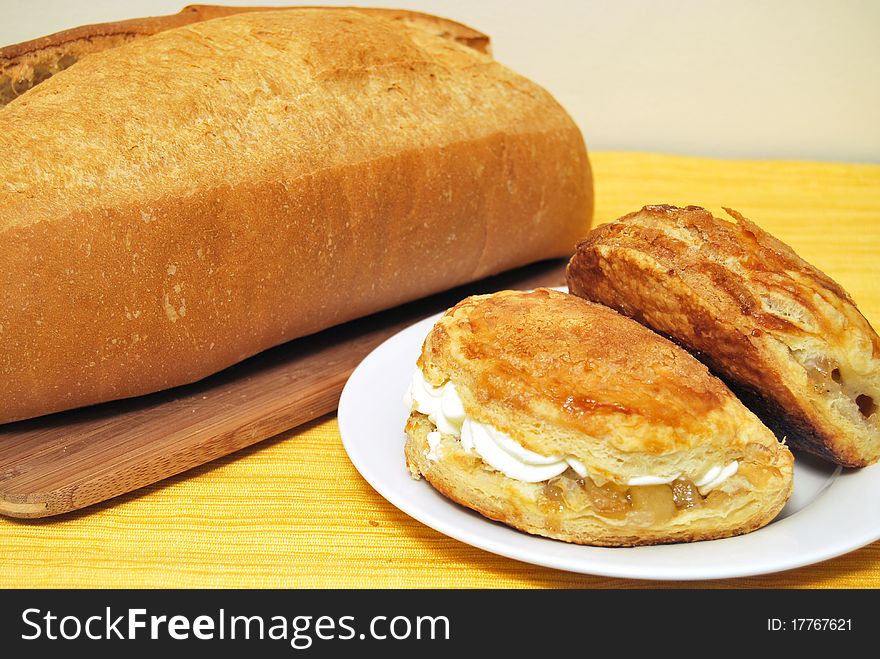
[(643, 424), (786, 337)]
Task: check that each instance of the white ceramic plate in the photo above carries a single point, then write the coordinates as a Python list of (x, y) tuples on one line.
[(830, 513)]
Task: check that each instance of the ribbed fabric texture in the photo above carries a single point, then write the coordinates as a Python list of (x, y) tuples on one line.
[(293, 512)]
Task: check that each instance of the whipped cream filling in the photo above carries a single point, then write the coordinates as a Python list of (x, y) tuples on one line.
[(443, 407)]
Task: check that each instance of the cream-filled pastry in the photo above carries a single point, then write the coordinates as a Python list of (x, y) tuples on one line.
[(562, 418)]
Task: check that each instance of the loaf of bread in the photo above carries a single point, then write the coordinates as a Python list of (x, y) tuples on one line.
[(175, 204)]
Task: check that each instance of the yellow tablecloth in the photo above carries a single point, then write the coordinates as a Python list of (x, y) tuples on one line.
[(293, 512)]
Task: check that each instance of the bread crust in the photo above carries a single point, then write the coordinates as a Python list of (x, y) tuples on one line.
[(562, 376), (27, 64), (310, 167), (784, 336)]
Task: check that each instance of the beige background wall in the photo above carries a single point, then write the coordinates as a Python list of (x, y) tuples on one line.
[(747, 79)]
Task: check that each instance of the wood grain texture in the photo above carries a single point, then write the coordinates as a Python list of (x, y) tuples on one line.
[(67, 461), (293, 512)]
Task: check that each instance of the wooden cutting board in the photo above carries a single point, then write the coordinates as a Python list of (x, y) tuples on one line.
[(66, 461)]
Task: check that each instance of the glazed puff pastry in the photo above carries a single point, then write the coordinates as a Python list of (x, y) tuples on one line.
[(565, 419), (782, 334)]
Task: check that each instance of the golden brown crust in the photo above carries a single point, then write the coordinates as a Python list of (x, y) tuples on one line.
[(315, 166), (619, 397), (517, 360), (27, 64), (785, 336)]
